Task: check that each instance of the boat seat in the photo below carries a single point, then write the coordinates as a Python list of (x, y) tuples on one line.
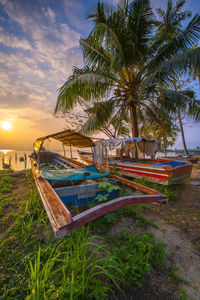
[(172, 163), (122, 162), (61, 163), (88, 172)]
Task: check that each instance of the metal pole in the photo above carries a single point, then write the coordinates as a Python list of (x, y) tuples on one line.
[(70, 151), (106, 158), (64, 150)]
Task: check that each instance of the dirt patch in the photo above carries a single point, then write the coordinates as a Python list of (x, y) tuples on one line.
[(180, 230), (184, 212), (21, 188), (195, 173), (182, 254)]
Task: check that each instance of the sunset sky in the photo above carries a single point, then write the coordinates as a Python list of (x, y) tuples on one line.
[(39, 45)]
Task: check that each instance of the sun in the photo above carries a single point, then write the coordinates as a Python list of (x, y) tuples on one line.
[(6, 125)]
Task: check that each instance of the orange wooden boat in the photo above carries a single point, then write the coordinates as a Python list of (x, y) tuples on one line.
[(65, 184)]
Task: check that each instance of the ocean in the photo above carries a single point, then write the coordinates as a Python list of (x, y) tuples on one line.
[(19, 159)]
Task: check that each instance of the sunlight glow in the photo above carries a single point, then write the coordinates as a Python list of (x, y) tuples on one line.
[(6, 125), (5, 151)]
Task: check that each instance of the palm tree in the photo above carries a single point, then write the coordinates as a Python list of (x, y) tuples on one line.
[(126, 67), (171, 23)]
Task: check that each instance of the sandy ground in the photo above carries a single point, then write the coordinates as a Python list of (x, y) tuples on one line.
[(182, 254)]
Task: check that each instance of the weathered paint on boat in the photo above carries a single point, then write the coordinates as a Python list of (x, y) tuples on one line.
[(166, 175)]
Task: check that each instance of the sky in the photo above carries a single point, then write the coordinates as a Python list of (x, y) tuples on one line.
[(39, 45)]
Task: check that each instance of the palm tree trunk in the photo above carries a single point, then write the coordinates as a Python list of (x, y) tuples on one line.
[(182, 132), (165, 147), (134, 122)]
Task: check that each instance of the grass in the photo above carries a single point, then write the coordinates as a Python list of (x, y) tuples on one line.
[(5, 171), (196, 166), (35, 265), (137, 254), (73, 270), (171, 191), (175, 278)]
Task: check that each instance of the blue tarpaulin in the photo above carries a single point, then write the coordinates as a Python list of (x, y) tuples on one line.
[(88, 172)]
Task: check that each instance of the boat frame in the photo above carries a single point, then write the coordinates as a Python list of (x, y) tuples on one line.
[(59, 216)]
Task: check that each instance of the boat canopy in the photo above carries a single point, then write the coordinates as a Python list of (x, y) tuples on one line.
[(141, 145), (66, 137)]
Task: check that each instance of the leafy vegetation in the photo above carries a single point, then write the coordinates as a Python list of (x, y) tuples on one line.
[(44, 266), (170, 191), (183, 295), (135, 212), (137, 255)]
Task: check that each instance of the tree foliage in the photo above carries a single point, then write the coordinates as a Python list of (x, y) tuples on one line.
[(130, 66)]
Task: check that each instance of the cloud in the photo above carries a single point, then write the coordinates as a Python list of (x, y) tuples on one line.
[(13, 41), (38, 62), (77, 12), (50, 14)]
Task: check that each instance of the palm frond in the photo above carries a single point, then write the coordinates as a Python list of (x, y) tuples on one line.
[(94, 55), (86, 83), (175, 66), (140, 22), (174, 98), (99, 114), (183, 41)]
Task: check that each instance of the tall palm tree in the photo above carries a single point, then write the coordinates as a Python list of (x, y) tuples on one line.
[(126, 67), (171, 23)]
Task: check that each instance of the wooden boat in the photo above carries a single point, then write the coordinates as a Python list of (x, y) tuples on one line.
[(67, 186), (162, 171)]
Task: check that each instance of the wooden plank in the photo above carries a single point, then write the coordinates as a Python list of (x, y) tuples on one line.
[(104, 208), (76, 164), (57, 212)]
